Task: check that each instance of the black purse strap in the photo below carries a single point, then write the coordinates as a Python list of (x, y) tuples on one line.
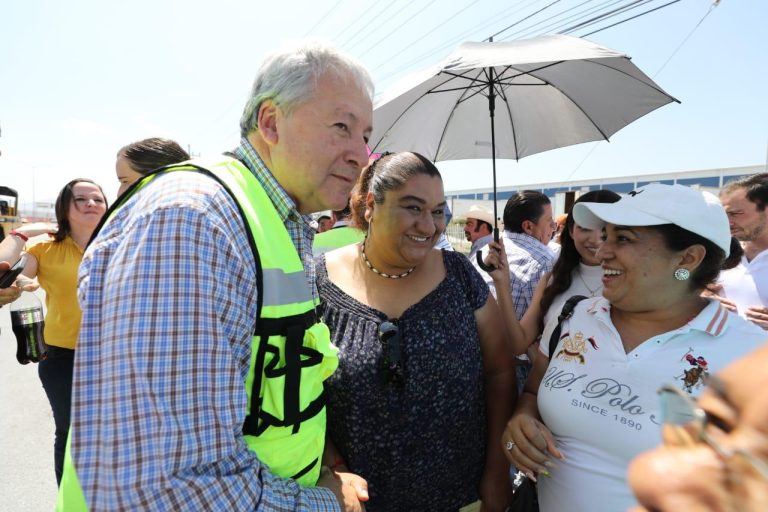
[(565, 314)]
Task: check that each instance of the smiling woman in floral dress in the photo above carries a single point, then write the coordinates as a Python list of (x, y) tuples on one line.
[(425, 375)]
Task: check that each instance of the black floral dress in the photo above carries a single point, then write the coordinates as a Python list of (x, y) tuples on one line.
[(420, 443)]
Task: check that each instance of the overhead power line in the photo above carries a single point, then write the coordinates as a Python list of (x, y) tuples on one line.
[(631, 18), (522, 20), (715, 3), (368, 25), (398, 27), (322, 18), (436, 27), (606, 15), (450, 43), (557, 21), (711, 8)]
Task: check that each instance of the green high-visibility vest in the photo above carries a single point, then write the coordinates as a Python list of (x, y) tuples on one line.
[(335, 238), (291, 351)]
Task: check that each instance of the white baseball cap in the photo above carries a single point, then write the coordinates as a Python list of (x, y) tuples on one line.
[(655, 204), (479, 213)]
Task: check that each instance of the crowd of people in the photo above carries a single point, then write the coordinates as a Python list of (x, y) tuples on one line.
[(208, 352)]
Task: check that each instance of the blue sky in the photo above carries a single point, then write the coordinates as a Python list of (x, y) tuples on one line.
[(80, 79)]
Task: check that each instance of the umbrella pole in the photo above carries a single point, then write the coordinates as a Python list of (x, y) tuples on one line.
[(491, 108)]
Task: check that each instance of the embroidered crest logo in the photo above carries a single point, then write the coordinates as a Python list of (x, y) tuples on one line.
[(694, 376), (574, 348)]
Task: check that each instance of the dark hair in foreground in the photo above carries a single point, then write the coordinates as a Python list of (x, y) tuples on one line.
[(756, 187), (734, 257), (63, 201), (678, 239), (525, 205), (149, 154), (569, 257), (389, 172)]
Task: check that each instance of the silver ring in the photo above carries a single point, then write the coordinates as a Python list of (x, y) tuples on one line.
[(509, 445)]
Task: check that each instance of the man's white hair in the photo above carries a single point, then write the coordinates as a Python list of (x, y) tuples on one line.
[(289, 76)]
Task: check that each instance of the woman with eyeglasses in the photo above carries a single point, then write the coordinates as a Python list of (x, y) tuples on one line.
[(425, 377), (79, 208), (715, 451), (591, 405)]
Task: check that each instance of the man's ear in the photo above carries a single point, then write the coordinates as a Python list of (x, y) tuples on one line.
[(527, 227), (269, 114)]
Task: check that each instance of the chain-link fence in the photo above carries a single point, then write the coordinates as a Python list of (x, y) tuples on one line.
[(455, 235)]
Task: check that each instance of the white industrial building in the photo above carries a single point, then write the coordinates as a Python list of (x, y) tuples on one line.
[(563, 194)]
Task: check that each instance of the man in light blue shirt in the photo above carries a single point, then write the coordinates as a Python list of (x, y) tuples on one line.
[(528, 227)]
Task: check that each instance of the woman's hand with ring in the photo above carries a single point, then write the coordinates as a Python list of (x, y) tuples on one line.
[(528, 445)]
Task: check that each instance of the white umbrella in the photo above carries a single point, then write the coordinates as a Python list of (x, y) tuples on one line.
[(511, 100)]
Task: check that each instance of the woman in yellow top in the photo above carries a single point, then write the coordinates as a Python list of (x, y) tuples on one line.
[(55, 262)]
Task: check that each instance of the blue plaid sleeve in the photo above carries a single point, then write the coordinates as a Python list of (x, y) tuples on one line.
[(168, 292)]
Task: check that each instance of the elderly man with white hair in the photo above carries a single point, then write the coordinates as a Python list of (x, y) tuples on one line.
[(200, 364)]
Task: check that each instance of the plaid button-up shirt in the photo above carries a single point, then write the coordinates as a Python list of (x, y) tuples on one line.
[(168, 293), (528, 260)]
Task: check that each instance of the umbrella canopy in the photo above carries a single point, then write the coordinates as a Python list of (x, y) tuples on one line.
[(550, 92)]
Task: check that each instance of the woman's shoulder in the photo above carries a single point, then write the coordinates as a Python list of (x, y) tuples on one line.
[(44, 246), (329, 267), (459, 269), (337, 259), (453, 259)]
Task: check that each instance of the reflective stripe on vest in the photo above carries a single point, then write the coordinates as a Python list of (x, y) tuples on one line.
[(291, 351)]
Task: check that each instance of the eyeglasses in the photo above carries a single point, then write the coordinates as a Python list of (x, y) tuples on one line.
[(391, 341), (680, 410)]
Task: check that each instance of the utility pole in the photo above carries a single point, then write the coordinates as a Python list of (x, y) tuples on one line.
[(34, 198)]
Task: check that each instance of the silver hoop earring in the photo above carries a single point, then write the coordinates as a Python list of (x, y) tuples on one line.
[(682, 274)]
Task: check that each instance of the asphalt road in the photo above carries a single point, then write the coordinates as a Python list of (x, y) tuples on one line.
[(27, 480)]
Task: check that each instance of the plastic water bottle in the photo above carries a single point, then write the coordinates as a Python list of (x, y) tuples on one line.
[(28, 323)]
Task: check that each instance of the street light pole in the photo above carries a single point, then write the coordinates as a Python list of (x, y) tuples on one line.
[(34, 198)]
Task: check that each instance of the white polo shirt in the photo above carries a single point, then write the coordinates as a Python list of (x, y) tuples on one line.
[(747, 283), (602, 404)]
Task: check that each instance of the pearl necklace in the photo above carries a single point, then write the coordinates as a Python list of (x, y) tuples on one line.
[(379, 272)]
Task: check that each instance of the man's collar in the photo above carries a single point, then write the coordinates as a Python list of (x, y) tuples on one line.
[(757, 256), (524, 237), (285, 206), (483, 240)]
